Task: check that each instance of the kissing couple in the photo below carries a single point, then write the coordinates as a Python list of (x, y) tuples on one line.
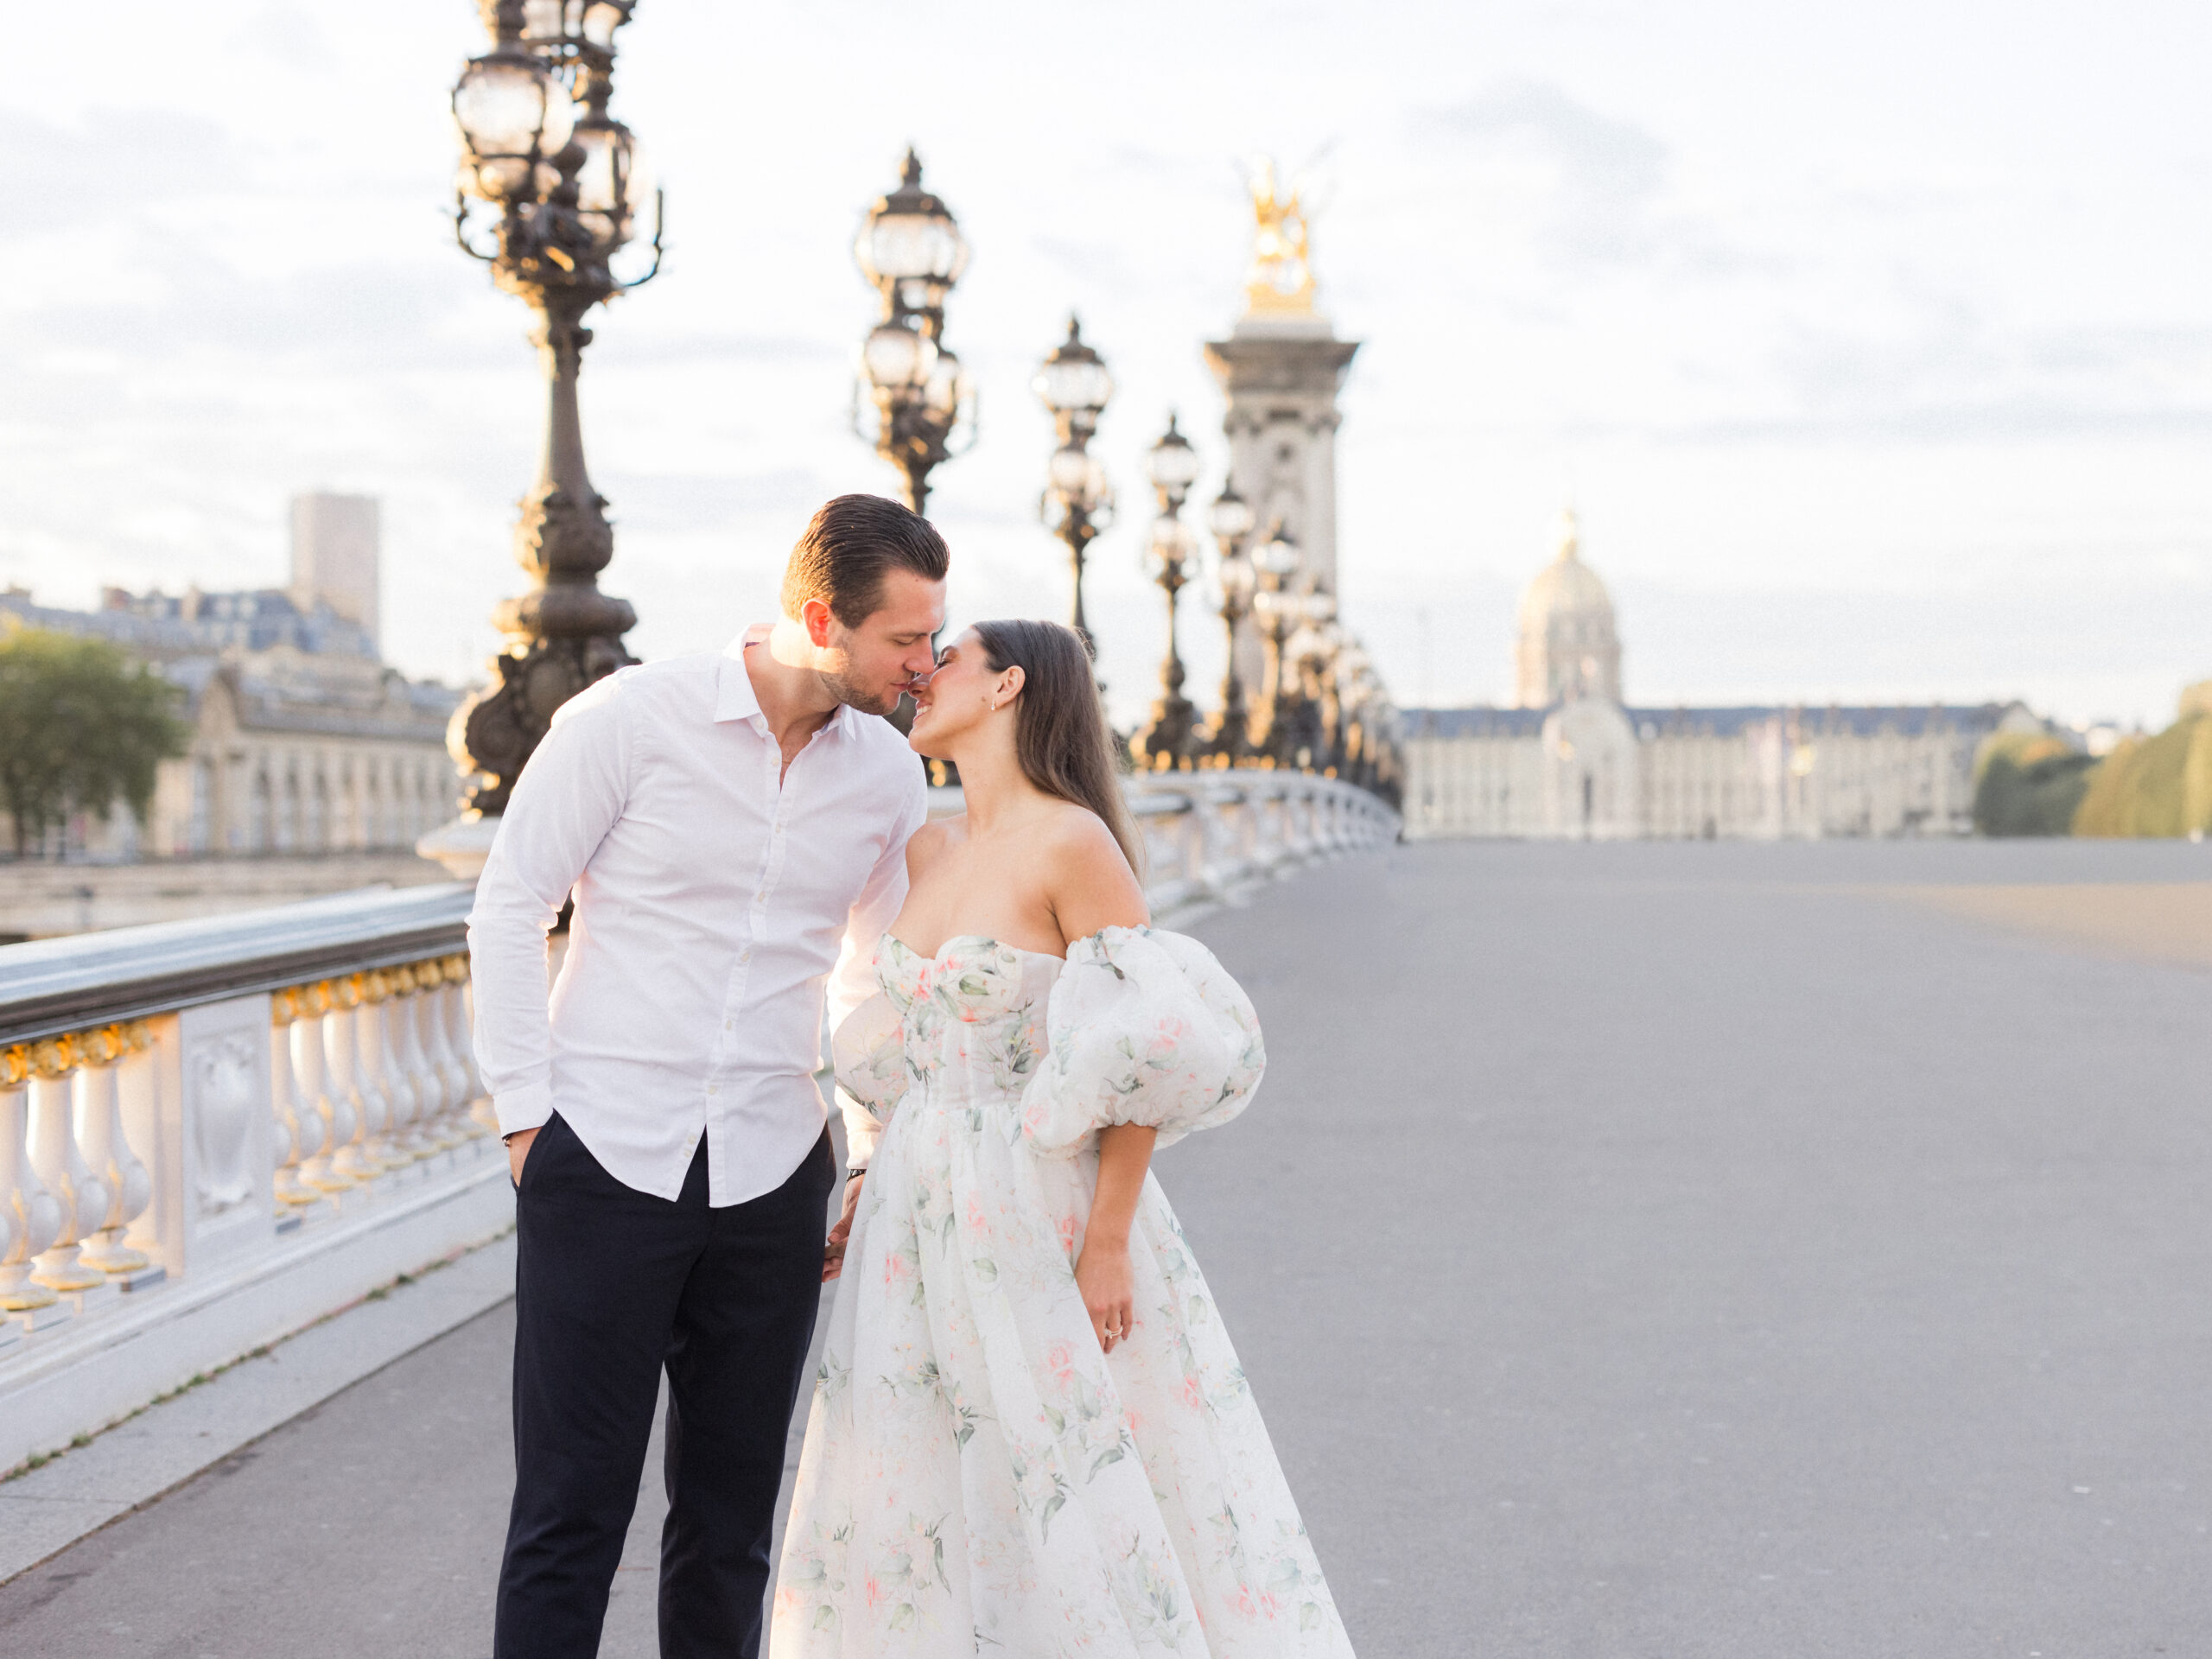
[(1029, 1433)]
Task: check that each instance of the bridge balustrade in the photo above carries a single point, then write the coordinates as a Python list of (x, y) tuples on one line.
[(213, 1133)]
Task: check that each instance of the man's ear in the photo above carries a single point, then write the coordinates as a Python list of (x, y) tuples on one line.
[(816, 618)]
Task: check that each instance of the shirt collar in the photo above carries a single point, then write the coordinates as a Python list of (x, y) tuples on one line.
[(735, 699)]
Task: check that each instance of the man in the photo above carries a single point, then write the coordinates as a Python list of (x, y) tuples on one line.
[(731, 829)]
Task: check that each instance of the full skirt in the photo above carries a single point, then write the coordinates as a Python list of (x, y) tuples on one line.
[(979, 1478)]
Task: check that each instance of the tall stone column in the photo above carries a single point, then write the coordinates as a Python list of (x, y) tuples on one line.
[(1280, 369)]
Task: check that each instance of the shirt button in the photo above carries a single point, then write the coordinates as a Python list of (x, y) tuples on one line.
[(712, 1090)]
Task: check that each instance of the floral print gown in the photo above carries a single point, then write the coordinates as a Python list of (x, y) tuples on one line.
[(978, 1476)]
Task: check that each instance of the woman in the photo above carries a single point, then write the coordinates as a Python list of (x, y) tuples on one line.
[(1030, 1435)]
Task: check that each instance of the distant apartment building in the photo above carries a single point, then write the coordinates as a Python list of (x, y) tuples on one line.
[(301, 739)]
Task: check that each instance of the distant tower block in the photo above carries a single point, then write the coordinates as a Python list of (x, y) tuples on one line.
[(1281, 367), (334, 557)]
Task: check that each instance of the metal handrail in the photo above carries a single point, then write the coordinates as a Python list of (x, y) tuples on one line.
[(50, 986)]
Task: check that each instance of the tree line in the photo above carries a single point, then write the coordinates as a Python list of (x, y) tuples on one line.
[(2028, 783), (82, 726)]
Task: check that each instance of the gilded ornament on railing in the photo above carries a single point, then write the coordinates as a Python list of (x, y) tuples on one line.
[(53, 1058)]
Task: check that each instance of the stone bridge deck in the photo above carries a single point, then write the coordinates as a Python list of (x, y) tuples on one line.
[(1671, 1250)]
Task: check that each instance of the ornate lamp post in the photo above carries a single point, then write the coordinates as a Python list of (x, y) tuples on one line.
[(1296, 737), (910, 247), (1348, 671), (564, 188), (1276, 604), (1231, 519), (1171, 560), (1077, 502)]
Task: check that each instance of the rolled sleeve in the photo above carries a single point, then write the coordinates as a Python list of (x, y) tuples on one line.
[(862, 1132), (527, 1106), (852, 980)]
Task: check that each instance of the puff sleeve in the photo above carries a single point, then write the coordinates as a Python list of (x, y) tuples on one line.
[(869, 1051), (1143, 1028)]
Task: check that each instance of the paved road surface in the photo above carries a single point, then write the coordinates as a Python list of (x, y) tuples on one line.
[(1645, 1251)]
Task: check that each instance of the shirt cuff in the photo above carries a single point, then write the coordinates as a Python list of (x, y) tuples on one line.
[(862, 1132), (527, 1106)]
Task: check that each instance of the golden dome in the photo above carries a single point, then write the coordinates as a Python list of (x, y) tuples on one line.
[(1565, 588), (1568, 645)]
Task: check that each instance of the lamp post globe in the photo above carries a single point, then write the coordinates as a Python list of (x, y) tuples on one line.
[(1230, 518), (1172, 466), (1072, 382), (513, 117), (910, 245)]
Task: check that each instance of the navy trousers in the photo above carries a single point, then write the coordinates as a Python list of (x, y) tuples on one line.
[(611, 1286)]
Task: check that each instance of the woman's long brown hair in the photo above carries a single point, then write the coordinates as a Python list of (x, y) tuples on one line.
[(1061, 736)]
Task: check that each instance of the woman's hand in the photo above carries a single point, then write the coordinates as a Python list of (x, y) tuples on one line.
[(1102, 1273), (841, 1235), (1108, 1288)]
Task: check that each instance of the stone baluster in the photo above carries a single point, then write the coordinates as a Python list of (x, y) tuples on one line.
[(463, 1031), (1197, 826), (373, 1040), (107, 1152), (381, 1041), (405, 1018), (336, 1123), (298, 1127), (82, 1195), (31, 1214), (15, 1222), (358, 1156), (453, 1125), (402, 1036)]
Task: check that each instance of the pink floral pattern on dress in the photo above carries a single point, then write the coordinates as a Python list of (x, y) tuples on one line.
[(977, 1476)]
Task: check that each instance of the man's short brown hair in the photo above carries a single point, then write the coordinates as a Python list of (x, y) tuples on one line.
[(849, 548)]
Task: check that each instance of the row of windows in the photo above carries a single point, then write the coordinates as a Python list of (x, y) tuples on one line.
[(287, 803)]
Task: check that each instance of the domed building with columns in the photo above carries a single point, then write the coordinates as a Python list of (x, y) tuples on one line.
[(1572, 760)]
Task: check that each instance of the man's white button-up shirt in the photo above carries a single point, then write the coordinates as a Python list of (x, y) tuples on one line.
[(715, 906)]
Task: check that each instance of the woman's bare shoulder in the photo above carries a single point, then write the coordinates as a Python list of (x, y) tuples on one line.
[(1091, 882), (929, 843)]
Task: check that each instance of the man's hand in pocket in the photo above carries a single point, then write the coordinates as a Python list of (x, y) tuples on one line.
[(518, 1151)]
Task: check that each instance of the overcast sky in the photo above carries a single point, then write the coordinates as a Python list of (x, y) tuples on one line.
[(1874, 341)]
